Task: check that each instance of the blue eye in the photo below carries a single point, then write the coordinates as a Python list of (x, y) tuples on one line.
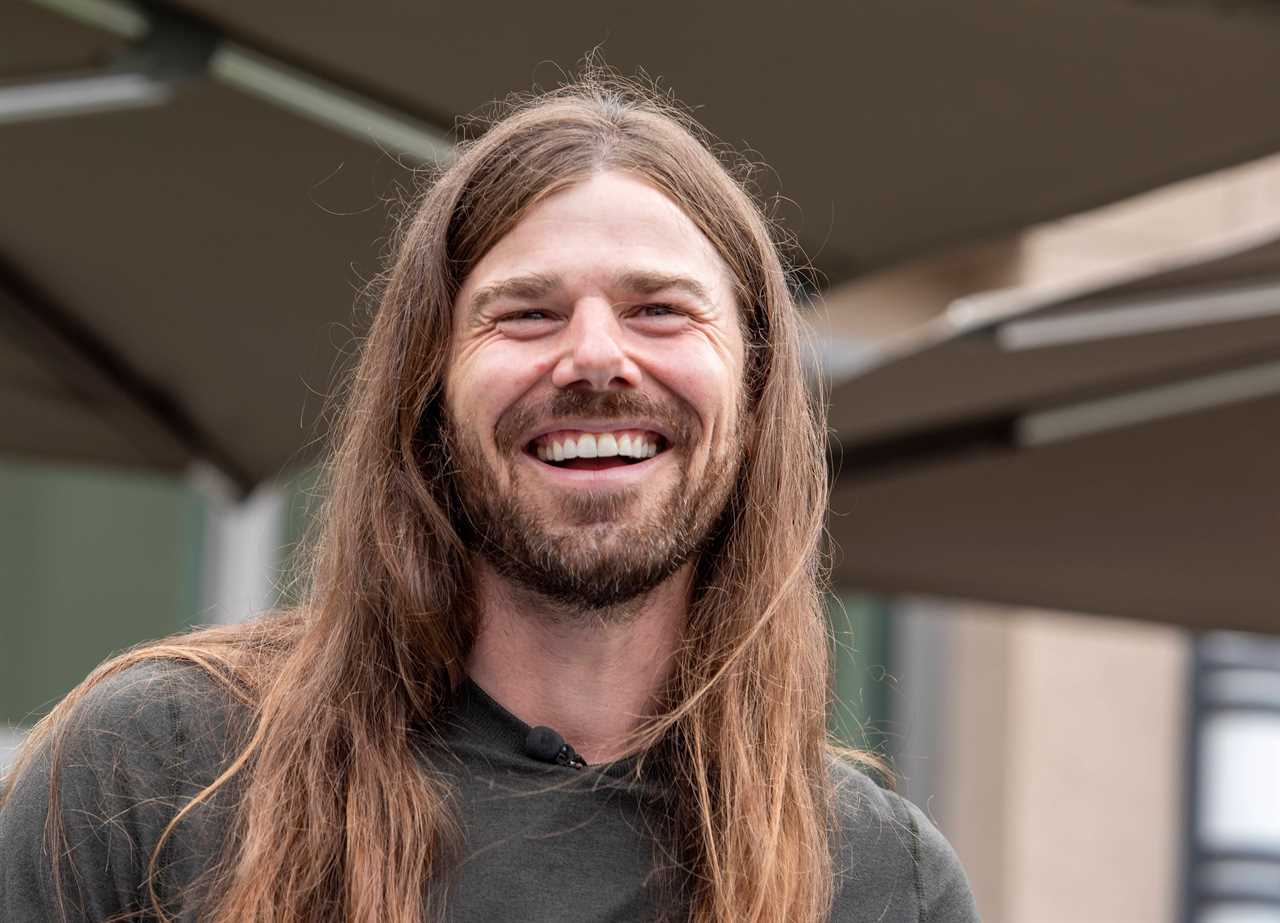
[(658, 310)]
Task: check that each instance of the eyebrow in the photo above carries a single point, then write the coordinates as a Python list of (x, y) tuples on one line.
[(529, 287), (644, 282), (535, 286)]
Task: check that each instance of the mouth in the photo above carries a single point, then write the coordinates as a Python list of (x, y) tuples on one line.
[(583, 450)]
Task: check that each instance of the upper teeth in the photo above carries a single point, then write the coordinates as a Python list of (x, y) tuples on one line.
[(629, 443)]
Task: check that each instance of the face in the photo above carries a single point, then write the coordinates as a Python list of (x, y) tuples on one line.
[(594, 391)]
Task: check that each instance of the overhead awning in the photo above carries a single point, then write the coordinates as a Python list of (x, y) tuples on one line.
[(194, 192), (894, 128), (1111, 447)]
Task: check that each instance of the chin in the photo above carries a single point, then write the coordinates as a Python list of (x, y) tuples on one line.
[(590, 542), (602, 508)]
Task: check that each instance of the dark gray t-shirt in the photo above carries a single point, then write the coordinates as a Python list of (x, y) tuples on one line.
[(541, 842)]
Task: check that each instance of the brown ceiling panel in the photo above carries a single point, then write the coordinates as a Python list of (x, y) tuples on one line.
[(896, 128), (36, 43), (216, 245), (1176, 521)]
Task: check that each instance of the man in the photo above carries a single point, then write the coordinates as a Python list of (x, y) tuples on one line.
[(564, 654)]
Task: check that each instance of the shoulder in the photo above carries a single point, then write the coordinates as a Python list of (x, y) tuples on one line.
[(119, 765), (891, 862), (149, 709), (154, 710)]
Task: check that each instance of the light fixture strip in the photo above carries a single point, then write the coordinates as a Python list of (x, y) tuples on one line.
[(1148, 405), (1135, 317), (79, 96), (329, 105), (116, 16)]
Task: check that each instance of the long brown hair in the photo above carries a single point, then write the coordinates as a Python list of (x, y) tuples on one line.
[(336, 817)]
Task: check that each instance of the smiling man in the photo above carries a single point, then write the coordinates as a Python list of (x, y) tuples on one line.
[(597, 374), (564, 653)]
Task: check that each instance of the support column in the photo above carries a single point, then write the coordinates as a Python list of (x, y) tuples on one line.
[(242, 547)]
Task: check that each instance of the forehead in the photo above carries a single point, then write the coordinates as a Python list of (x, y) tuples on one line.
[(609, 226)]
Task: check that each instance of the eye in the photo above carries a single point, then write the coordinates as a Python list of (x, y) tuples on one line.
[(527, 323), (531, 314), (659, 319)]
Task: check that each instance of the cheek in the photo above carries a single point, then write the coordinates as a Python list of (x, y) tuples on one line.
[(486, 381), (708, 379)]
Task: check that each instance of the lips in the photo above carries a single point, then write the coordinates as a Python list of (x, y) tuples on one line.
[(585, 432)]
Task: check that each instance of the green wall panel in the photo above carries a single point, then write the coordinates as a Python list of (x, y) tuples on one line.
[(91, 562), (860, 684)]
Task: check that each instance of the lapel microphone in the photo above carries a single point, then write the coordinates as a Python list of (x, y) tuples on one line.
[(545, 745)]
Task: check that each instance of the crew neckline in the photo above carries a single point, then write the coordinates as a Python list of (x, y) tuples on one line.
[(478, 707)]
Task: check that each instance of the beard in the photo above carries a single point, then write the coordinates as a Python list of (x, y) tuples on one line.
[(590, 550)]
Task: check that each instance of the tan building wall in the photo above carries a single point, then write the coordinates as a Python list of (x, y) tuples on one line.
[(1095, 773), (1060, 781)]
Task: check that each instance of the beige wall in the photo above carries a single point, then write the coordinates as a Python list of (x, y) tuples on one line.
[(1062, 765), (974, 752)]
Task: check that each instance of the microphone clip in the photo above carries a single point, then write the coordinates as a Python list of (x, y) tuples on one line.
[(548, 746)]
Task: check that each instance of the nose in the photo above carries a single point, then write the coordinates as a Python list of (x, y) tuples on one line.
[(595, 354)]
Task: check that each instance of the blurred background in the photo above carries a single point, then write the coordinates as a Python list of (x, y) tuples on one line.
[(1045, 304)]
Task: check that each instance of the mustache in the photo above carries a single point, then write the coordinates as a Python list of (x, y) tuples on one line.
[(519, 419)]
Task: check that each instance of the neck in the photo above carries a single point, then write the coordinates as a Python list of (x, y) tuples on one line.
[(593, 677)]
